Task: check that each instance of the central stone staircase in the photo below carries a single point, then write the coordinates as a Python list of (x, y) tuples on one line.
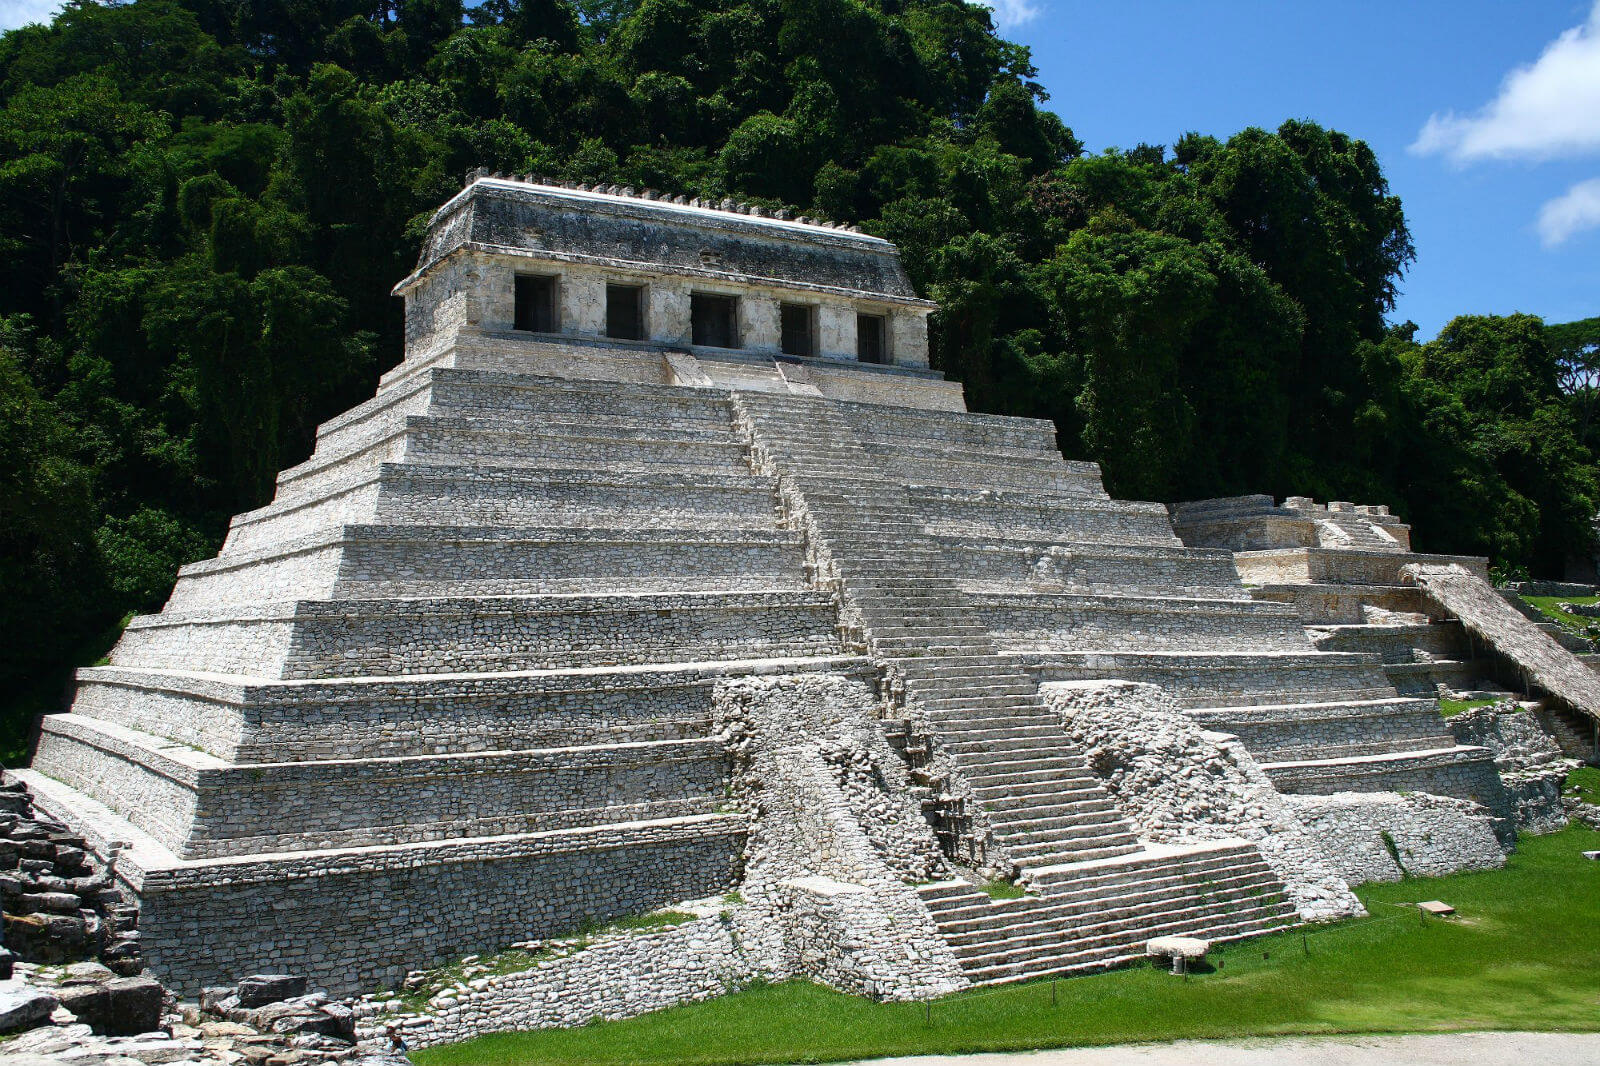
[(1018, 796)]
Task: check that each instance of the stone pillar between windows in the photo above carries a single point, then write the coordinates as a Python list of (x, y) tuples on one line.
[(667, 313), (836, 331), (583, 302), (759, 329)]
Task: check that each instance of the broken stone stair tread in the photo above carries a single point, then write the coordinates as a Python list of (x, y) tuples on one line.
[(23, 1006)]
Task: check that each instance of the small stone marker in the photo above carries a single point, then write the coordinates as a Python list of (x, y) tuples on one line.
[(1592, 856), (1435, 908), (1180, 949)]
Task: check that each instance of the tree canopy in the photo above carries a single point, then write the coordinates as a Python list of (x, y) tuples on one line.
[(203, 205)]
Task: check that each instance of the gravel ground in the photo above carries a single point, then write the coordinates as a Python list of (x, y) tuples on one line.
[(1443, 1049)]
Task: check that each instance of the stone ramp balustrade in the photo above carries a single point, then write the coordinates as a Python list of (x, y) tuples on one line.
[(1482, 611)]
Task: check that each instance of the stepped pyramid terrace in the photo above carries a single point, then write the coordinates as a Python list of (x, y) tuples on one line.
[(664, 569)]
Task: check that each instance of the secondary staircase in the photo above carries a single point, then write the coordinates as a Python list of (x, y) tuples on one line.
[(1019, 796)]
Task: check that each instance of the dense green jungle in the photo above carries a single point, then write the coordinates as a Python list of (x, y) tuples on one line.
[(204, 203)]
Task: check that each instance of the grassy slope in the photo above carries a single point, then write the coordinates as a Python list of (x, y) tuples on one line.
[(1523, 955), (1547, 606)]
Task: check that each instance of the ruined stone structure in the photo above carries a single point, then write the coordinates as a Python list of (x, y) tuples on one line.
[(664, 566)]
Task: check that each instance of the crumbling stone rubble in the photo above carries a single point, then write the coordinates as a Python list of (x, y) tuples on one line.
[(1178, 783)]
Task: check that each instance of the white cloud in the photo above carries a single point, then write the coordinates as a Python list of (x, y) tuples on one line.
[(1010, 13), (1571, 213), (1548, 108), (14, 13)]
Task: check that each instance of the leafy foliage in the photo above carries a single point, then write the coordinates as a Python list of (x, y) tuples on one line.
[(203, 205)]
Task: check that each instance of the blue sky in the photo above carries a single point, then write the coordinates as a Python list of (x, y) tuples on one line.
[(1485, 113), (1497, 152)]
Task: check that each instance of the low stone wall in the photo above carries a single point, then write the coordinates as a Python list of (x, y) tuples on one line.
[(1532, 765), (1383, 836), (616, 976), (361, 922), (1178, 784)]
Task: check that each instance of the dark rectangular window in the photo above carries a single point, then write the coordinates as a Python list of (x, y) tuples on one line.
[(714, 320), (795, 322), (536, 303), (871, 345), (625, 312)]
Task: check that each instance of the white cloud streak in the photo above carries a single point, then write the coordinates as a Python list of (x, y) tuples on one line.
[(1571, 213), (1011, 13), (1547, 109), (14, 13)]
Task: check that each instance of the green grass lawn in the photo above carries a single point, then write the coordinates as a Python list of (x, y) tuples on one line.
[(1524, 954), (1451, 708), (1547, 606)]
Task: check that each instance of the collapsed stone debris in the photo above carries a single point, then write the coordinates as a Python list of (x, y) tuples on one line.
[(669, 617)]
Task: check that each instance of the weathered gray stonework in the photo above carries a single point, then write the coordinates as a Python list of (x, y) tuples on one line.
[(560, 628), (1379, 836)]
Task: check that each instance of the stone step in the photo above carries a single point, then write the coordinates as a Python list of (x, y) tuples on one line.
[(258, 720), (1087, 881), (343, 638), (1280, 733), (1046, 799), (1462, 771), (1119, 943), (878, 422), (471, 495), (368, 561), (1063, 622), (201, 807), (1215, 677), (1045, 925)]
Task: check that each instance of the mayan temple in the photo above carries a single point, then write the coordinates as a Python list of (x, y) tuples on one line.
[(664, 568)]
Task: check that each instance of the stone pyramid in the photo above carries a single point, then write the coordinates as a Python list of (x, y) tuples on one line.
[(458, 684)]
